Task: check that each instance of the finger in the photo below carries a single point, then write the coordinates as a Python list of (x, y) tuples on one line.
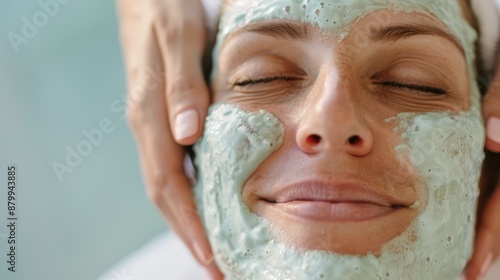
[(168, 187), (171, 192), (145, 113), (189, 112), (182, 46), (162, 158), (134, 40), (486, 247), (478, 264), (491, 114), (140, 54)]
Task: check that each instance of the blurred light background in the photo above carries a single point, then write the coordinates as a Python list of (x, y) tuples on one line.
[(61, 81)]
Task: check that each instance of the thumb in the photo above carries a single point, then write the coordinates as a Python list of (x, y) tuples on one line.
[(187, 96)]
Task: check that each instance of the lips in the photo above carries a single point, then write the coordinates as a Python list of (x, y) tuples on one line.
[(334, 202)]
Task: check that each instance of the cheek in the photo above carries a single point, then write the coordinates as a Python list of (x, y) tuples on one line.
[(388, 168)]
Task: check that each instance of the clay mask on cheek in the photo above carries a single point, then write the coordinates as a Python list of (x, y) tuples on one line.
[(445, 150)]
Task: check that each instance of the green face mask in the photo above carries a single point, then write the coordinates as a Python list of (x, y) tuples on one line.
[(445, 149)]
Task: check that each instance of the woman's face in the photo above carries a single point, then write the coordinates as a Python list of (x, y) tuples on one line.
[(355, 147), (337, 171)]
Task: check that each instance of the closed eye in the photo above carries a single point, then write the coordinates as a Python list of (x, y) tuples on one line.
[(413, 87), (391, 84), (265, 80)]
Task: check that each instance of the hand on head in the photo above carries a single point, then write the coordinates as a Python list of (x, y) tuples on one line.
[(487, 246), (163, 45)]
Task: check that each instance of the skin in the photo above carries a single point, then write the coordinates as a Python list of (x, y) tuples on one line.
[(168, 39), (161, 43), (325, 93), (487, 246)]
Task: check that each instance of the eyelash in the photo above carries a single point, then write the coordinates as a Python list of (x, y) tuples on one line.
[(413, 87), (391, 84), (251, 82)]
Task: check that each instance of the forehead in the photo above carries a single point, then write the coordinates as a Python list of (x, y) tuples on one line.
[(340, 15), (383, 25)]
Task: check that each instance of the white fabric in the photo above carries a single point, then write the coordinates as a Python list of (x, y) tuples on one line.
[(488, 17), (164, 257), (212, 10)]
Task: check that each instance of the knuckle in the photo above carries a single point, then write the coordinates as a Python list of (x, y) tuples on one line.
[(175, 30), (136, 108), (179, 87), (134, 113), (155, 196), (172, 32), (156, 189), (133, 118), (192, 25)]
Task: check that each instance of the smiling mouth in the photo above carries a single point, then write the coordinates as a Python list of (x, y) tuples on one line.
[(326, 211), (325, 202)]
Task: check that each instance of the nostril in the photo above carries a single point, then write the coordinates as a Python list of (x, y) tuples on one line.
[(354, 140), (313, 139)]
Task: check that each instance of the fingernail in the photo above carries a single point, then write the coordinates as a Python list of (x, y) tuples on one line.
[(493, 129), (486, 266), (213, 272), (199, 253), (209, 275), (186, 124)]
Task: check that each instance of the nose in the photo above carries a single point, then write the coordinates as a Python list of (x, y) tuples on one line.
[(333, 120)]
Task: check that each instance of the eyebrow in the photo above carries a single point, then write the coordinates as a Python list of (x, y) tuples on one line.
[(398, 32), (289, 30), (280, 30)]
